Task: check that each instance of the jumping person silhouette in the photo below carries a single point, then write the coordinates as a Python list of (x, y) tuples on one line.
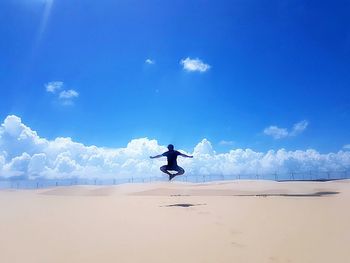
[(171, 156)]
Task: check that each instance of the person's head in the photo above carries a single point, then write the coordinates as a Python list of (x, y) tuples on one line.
[(170, 147)]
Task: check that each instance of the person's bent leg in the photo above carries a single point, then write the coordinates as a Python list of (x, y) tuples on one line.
[(164, 169), (180, 171)]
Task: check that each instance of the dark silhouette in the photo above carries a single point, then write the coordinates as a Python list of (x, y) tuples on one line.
[(171, 156)]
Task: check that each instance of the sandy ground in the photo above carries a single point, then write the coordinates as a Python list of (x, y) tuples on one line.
[(239, 221)]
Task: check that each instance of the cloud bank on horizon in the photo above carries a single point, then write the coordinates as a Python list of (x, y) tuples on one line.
[(24, 154)]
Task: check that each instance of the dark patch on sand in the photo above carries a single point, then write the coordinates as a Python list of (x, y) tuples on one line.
[(316, 194), (182, 205)]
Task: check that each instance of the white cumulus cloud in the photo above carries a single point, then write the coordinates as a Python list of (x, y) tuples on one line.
[(194, 65), (279, 133), (24, 154), (66, 97), (203, 148)]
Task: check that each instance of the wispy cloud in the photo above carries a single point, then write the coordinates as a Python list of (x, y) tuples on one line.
[(346, 147), (276, 132), (149, 61), (279, 133), (226, 143), (299, 128), (194, 65), (53, 86)]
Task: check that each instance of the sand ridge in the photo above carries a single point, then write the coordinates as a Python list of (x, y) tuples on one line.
[(223, 188)]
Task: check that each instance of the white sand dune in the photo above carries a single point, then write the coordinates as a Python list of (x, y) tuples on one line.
[(238, 221)]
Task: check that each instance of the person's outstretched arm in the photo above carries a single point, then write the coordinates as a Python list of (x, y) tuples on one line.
[(184, 155), (157, 156)]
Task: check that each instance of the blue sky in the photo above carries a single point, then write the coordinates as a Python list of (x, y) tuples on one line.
[(269, 65)]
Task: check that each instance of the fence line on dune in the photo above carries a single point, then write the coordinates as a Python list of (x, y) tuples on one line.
[(198, 178)]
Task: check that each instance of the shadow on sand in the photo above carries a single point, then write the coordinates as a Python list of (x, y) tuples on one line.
[(182, 205), (317, 194)]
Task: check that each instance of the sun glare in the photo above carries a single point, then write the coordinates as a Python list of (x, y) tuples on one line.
[(45, 18)]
